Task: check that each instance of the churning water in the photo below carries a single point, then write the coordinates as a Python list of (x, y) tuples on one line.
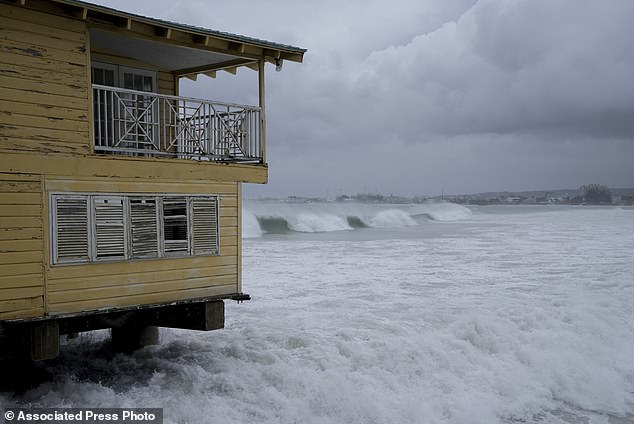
[(394, 314)]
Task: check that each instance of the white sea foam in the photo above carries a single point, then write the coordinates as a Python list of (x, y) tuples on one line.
[(505, 318), (443, 211), (306, 222), (250, 226), (392, 218)]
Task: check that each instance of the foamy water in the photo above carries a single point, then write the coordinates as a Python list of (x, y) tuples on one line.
[(509, 315)]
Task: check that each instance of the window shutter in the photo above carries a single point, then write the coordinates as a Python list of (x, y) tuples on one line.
[(144, 228), (175, 230), (205, 225), (109, 227), (71, 232)]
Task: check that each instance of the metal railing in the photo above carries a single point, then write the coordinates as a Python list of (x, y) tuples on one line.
[(138, 123)]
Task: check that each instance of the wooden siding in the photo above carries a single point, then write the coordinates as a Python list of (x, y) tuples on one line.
[(161, 169), (76, 288), (43, 85), (21, 247)]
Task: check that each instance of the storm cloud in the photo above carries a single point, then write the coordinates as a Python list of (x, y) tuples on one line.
[(416, 97)]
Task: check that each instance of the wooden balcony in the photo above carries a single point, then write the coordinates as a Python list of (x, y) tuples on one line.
[(138, 123)]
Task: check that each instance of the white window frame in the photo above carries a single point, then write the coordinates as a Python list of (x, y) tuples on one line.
[(127, 224), (106, 67)]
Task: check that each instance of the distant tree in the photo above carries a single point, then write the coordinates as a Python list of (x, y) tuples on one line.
[(596, 194)]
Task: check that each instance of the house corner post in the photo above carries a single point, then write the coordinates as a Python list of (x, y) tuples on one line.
[(262, 107)]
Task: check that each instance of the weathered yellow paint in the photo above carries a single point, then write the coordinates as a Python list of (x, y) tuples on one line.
[(47, 100), (33, 17), (46, 122), (43, 64), (126, 185), (134, 300), (25, 280), (21, 268), (72, 44), (20, 257), (45, 27), (29, 72), (45, 87), (20, 233), (138, 278), (111, 166)]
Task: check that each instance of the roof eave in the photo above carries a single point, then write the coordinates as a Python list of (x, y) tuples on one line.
[(270, 50)]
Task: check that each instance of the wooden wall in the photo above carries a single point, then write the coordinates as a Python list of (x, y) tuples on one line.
[(44, 103), (21, 247)]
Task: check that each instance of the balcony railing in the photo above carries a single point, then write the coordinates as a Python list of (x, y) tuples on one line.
[(137, 123)]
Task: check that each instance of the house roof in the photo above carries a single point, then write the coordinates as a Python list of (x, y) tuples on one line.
[(185, 50), (186, 28)]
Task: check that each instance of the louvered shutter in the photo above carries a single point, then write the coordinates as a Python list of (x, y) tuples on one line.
[(71, 231), (205, 225), (144, 228), (175, 229), (109, 227)]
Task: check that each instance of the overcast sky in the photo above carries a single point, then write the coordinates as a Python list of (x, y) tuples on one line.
[(415, 97)]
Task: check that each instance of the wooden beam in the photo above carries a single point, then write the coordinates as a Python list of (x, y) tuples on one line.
[(203, 40), (232, 70), (128, 25), (239, 47), (210, 74), (262, 103), (22, 2), (164, 32), (215, 67), (192, 77), (254, 66), (84, 14)]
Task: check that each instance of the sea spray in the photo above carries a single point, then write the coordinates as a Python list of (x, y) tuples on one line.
[(392, 218), (250, 226)]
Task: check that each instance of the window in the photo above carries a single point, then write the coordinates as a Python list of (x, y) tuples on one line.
[(175, 235), (93, 228)]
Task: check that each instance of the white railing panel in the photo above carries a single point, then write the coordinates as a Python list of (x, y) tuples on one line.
[(137, 123)]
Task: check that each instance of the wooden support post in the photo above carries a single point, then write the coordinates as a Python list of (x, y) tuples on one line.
[(239, 237), (130, 337), (44, 340), (262, 107), (205, 316)]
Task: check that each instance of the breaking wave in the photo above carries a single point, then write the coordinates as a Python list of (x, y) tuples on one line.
[(268, 217)]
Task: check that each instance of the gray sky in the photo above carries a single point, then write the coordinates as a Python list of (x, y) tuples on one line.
[(418, 96)]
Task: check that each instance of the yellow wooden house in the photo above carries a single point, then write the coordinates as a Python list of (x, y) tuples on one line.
[(120, 200)]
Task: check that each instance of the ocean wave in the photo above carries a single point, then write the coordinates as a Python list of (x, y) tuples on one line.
[(443, 211), (281, 218), (392, 218), (250, 225)]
